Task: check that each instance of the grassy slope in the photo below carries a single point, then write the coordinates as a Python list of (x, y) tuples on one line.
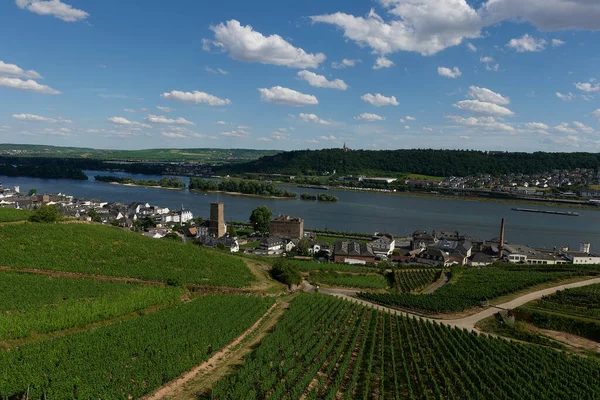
[(103, 250), (12, 215)]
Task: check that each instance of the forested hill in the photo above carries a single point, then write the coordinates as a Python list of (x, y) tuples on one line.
[(426, 162)]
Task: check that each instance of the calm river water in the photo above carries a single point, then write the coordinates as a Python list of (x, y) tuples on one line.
[(355, 211)]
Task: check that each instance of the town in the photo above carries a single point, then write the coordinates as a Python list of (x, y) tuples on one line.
[(286, 236)]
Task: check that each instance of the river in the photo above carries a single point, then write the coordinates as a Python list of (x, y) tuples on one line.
[(354, 212)]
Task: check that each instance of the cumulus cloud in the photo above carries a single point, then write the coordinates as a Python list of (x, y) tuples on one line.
[(557, 42), (322, 82), (126, 122), (222, 123), (53, 7), (195, 97), (39, 118), (484, 94), (243, 43), (526, 43), (588, 87), (382, 62), (216, 71), (483, 107), (489, 64), (313, 118), (379, 100), (409, 118), (164, 109), (156, 119), (129, 110), (287, 97), (565, 97), (29, 85), (582, 127), (449, 73), (174, 135), (345, 63), (564, 127), (596, 113), (538, 126), (16, 71), (369, 117), (235, 133), (482, 123)]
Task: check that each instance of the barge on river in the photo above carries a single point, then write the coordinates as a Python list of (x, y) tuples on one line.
[(567, 213)]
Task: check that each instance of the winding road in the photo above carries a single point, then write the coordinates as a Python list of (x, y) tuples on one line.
[(469, 322)]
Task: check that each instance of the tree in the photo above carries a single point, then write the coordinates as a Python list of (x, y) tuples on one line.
[(285, 272), (32, 192), (173, 236), (231, 230), (303, 246), (94, 216), (46, 214), (260, 219)]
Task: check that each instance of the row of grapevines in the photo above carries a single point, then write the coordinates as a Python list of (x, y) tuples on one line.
[(129, 359), (105, 250), (584, 301), (472, 288), (411, 280), (367, 281), (37, 303), (329, 348)]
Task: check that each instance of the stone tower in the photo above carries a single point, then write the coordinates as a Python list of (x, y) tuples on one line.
[(216, 224)]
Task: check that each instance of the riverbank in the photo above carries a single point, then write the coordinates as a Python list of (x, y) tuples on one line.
[(242, 194), (143, 186)]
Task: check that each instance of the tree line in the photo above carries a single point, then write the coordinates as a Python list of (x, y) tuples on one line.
[(240, 186), (165, 182), (418, 161)]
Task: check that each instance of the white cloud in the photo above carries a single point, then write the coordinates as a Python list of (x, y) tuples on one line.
[(235, 133), (369, 117), (379, 100), (582, 127), (16, 71), (409, 118), (483, 123), (53, 7), (483, 107), (195, 97), (449, 73), (345, 63), (557, 42), (588, 87), (565, 128), (57, 132), (484, 94), (174, 135), (471, 47), (222, 123), (382, 62), (494, 67), (156, 119), (287, 97), (313, 118), (406, 127), (596, 113), (322, 82), (165, 109), (526, 43), (129, 110), (486, 60), (39, 118), (428, 129), (402, 120), (216, 71), (29, 85), (538, 126), (245, 44), (565, 97), (126, 122)]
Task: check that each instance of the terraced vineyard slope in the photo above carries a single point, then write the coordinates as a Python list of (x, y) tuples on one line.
[(329, 348)]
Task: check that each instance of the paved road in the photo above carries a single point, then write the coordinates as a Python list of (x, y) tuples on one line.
[(467, 322), (441, 283)]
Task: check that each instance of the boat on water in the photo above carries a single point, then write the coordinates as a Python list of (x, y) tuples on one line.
[(532, 210)]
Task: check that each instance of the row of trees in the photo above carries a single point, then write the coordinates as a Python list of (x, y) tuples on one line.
[(165, 182), (319, 197), (240, 186), (427, 162)]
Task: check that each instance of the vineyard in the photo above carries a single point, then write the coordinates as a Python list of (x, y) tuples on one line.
[(472, 288), (37, 303), (308, 266), (366, 281), (104, 250), (129, 359), (406, 281), (576, 311), (12, 215), (328, 348)]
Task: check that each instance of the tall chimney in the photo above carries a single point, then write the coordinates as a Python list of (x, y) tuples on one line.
[(501, 244)]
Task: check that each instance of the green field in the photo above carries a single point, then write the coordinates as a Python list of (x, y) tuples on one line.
[(473, 287), (129, 359), (41, 304), (308, 266), (329, 348), (12, 215), (575, 311), (366, 281), (104, 250)]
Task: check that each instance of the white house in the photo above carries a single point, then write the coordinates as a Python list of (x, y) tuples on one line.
[(383, 246), (578, 257)]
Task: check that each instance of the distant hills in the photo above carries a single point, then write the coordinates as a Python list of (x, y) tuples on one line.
[(426, 162), (207, 155)]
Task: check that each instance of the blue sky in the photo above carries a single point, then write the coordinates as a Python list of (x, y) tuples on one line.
[(381, 74)]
